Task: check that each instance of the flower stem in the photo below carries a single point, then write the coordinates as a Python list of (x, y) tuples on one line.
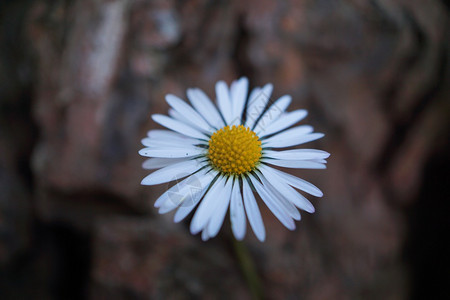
[(248, 269)]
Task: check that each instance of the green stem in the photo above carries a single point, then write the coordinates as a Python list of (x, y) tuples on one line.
[(248, 269)]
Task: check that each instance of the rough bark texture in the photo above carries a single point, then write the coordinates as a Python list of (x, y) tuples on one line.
[(80, 78)]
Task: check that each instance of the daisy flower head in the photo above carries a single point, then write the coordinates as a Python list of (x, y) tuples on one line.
[(222, 155)]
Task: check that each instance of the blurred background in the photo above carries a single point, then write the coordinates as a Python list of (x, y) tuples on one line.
[(79, 80)]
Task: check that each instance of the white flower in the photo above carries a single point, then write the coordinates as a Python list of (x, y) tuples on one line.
[(226, 154)]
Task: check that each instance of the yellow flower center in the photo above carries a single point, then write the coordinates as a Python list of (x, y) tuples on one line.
[(234, 150)]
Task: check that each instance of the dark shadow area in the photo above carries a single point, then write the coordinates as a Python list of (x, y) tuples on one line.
[(57, 264), (429, 224)]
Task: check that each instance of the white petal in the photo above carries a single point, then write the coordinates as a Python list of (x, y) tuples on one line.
[(205, 107), (220, 211), (253, 213), (184, 193), (196, 190), (274, 206), (297, 164), (185, 209), (294, 131), (188, 112), (205, 235), (171, 152), (174, 190), (165, 134), (257, 104), (282, 141), (183, 119), (159, 162), (255, 92), (172, 142), (322, 161), (299, 183), (280, 199), (177, 116), (189, 122), (297, 154), (224, 101), (273, 113), (284, 121), (237, 213), (178, 126), (239, 91), (284, 189), (207, 206), (172, 172)]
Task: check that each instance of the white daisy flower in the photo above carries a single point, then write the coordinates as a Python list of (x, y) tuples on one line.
[(226, 153)]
